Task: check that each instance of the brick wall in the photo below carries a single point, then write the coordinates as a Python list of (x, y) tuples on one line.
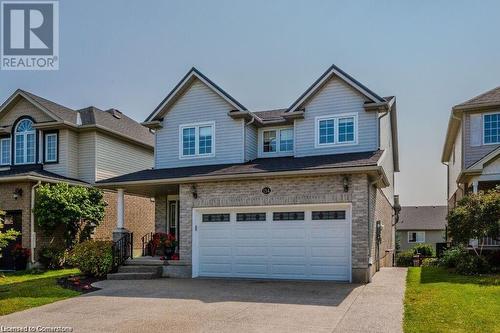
[(139, 217), (23, 203), (297, 190), (383, 212)]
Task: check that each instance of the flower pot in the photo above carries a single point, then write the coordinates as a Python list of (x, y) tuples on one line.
[(169, 251)]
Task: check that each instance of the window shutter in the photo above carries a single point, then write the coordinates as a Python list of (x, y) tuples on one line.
[(475, 130)]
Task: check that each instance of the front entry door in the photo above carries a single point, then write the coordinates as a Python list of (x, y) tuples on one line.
[(12, 220)]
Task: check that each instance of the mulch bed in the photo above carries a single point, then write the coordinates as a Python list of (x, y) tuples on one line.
[(79, 283)]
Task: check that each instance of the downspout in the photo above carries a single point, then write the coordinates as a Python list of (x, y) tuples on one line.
[(245, 137), (370, 227), (32, 222)]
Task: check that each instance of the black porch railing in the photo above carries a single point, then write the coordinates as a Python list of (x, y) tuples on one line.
[(122, 250), (145, 241)]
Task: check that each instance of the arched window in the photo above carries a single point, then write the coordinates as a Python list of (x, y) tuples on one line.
[(25, 142)]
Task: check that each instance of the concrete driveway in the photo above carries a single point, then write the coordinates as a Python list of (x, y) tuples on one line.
[(213, 305)]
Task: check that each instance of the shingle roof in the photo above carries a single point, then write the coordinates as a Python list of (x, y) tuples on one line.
[(276, 114), (260, 165), (94, 116), (422, 218), (489, 97), (35, 171), (124, 125)]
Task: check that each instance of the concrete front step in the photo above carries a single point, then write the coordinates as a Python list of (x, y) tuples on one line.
[(145, 262), (132, 276), (140, 269)]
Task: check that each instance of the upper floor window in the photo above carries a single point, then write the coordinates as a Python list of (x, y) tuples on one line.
[(277, 140), (336, 130), (197, 140), (491, 128), (25, 142), (4, 151), (50, 147)]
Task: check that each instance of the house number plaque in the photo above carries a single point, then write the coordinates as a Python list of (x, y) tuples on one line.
[(266, 190)]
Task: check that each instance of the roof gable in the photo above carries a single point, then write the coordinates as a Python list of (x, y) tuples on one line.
[(183, 85), (36, 101), (325, 77)]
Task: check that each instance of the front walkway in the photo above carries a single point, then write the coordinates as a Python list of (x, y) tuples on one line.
[(213, 305)]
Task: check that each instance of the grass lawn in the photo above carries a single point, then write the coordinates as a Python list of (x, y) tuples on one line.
[(23, 290), (439, 301)]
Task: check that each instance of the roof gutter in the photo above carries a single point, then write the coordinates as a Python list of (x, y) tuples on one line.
[(41, 179), (364, 169)]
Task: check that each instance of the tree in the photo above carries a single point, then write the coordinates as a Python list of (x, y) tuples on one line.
[(7, 236), (476, 216), (76, 209)]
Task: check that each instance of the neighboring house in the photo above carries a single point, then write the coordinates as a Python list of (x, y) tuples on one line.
[(421, 224), (472, 148), (304, 192), (44, 142)]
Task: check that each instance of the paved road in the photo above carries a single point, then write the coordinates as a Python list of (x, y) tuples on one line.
[(213, 305)]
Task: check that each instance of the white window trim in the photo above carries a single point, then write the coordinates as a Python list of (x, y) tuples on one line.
[(482, 129), (196, 140), (25, 144), (46, 159), (335, 142), (8, 139), (278, 150), (416, 241)]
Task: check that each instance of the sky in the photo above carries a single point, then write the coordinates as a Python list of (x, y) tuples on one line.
[(430, 54)]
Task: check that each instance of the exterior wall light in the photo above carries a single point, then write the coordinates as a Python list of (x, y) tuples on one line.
[(345, 181), (18, 192), (194, 192)]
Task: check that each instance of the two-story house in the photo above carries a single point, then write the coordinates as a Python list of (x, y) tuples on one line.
[(304, 192), (44, 142), (472, 148)]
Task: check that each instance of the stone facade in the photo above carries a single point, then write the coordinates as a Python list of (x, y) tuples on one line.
[(292, 190), (139, 217)]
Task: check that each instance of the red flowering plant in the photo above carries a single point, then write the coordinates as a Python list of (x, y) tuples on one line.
[(21, 252), (165, 242)]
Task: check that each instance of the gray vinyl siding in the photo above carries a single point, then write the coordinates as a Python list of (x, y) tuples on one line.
[(250, 142), (473, 154), (387, 160), (115, 157), (72, 154), (431, 237), (87, 156), (336, 97), (199, 104)]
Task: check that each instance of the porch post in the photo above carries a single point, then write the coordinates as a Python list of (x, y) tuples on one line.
[(120, 230), (475, 185)]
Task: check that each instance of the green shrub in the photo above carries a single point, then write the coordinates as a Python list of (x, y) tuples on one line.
[(471, 264), (53, 257), (405, 258), (425, 250), (94, 258), (430, 262), (452, 256)]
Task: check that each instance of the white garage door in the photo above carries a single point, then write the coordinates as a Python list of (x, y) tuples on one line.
[(284, 242)]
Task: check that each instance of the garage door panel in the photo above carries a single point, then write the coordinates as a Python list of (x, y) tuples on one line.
[(256, 269), (216, 251), (308, 249), (250, 251)]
